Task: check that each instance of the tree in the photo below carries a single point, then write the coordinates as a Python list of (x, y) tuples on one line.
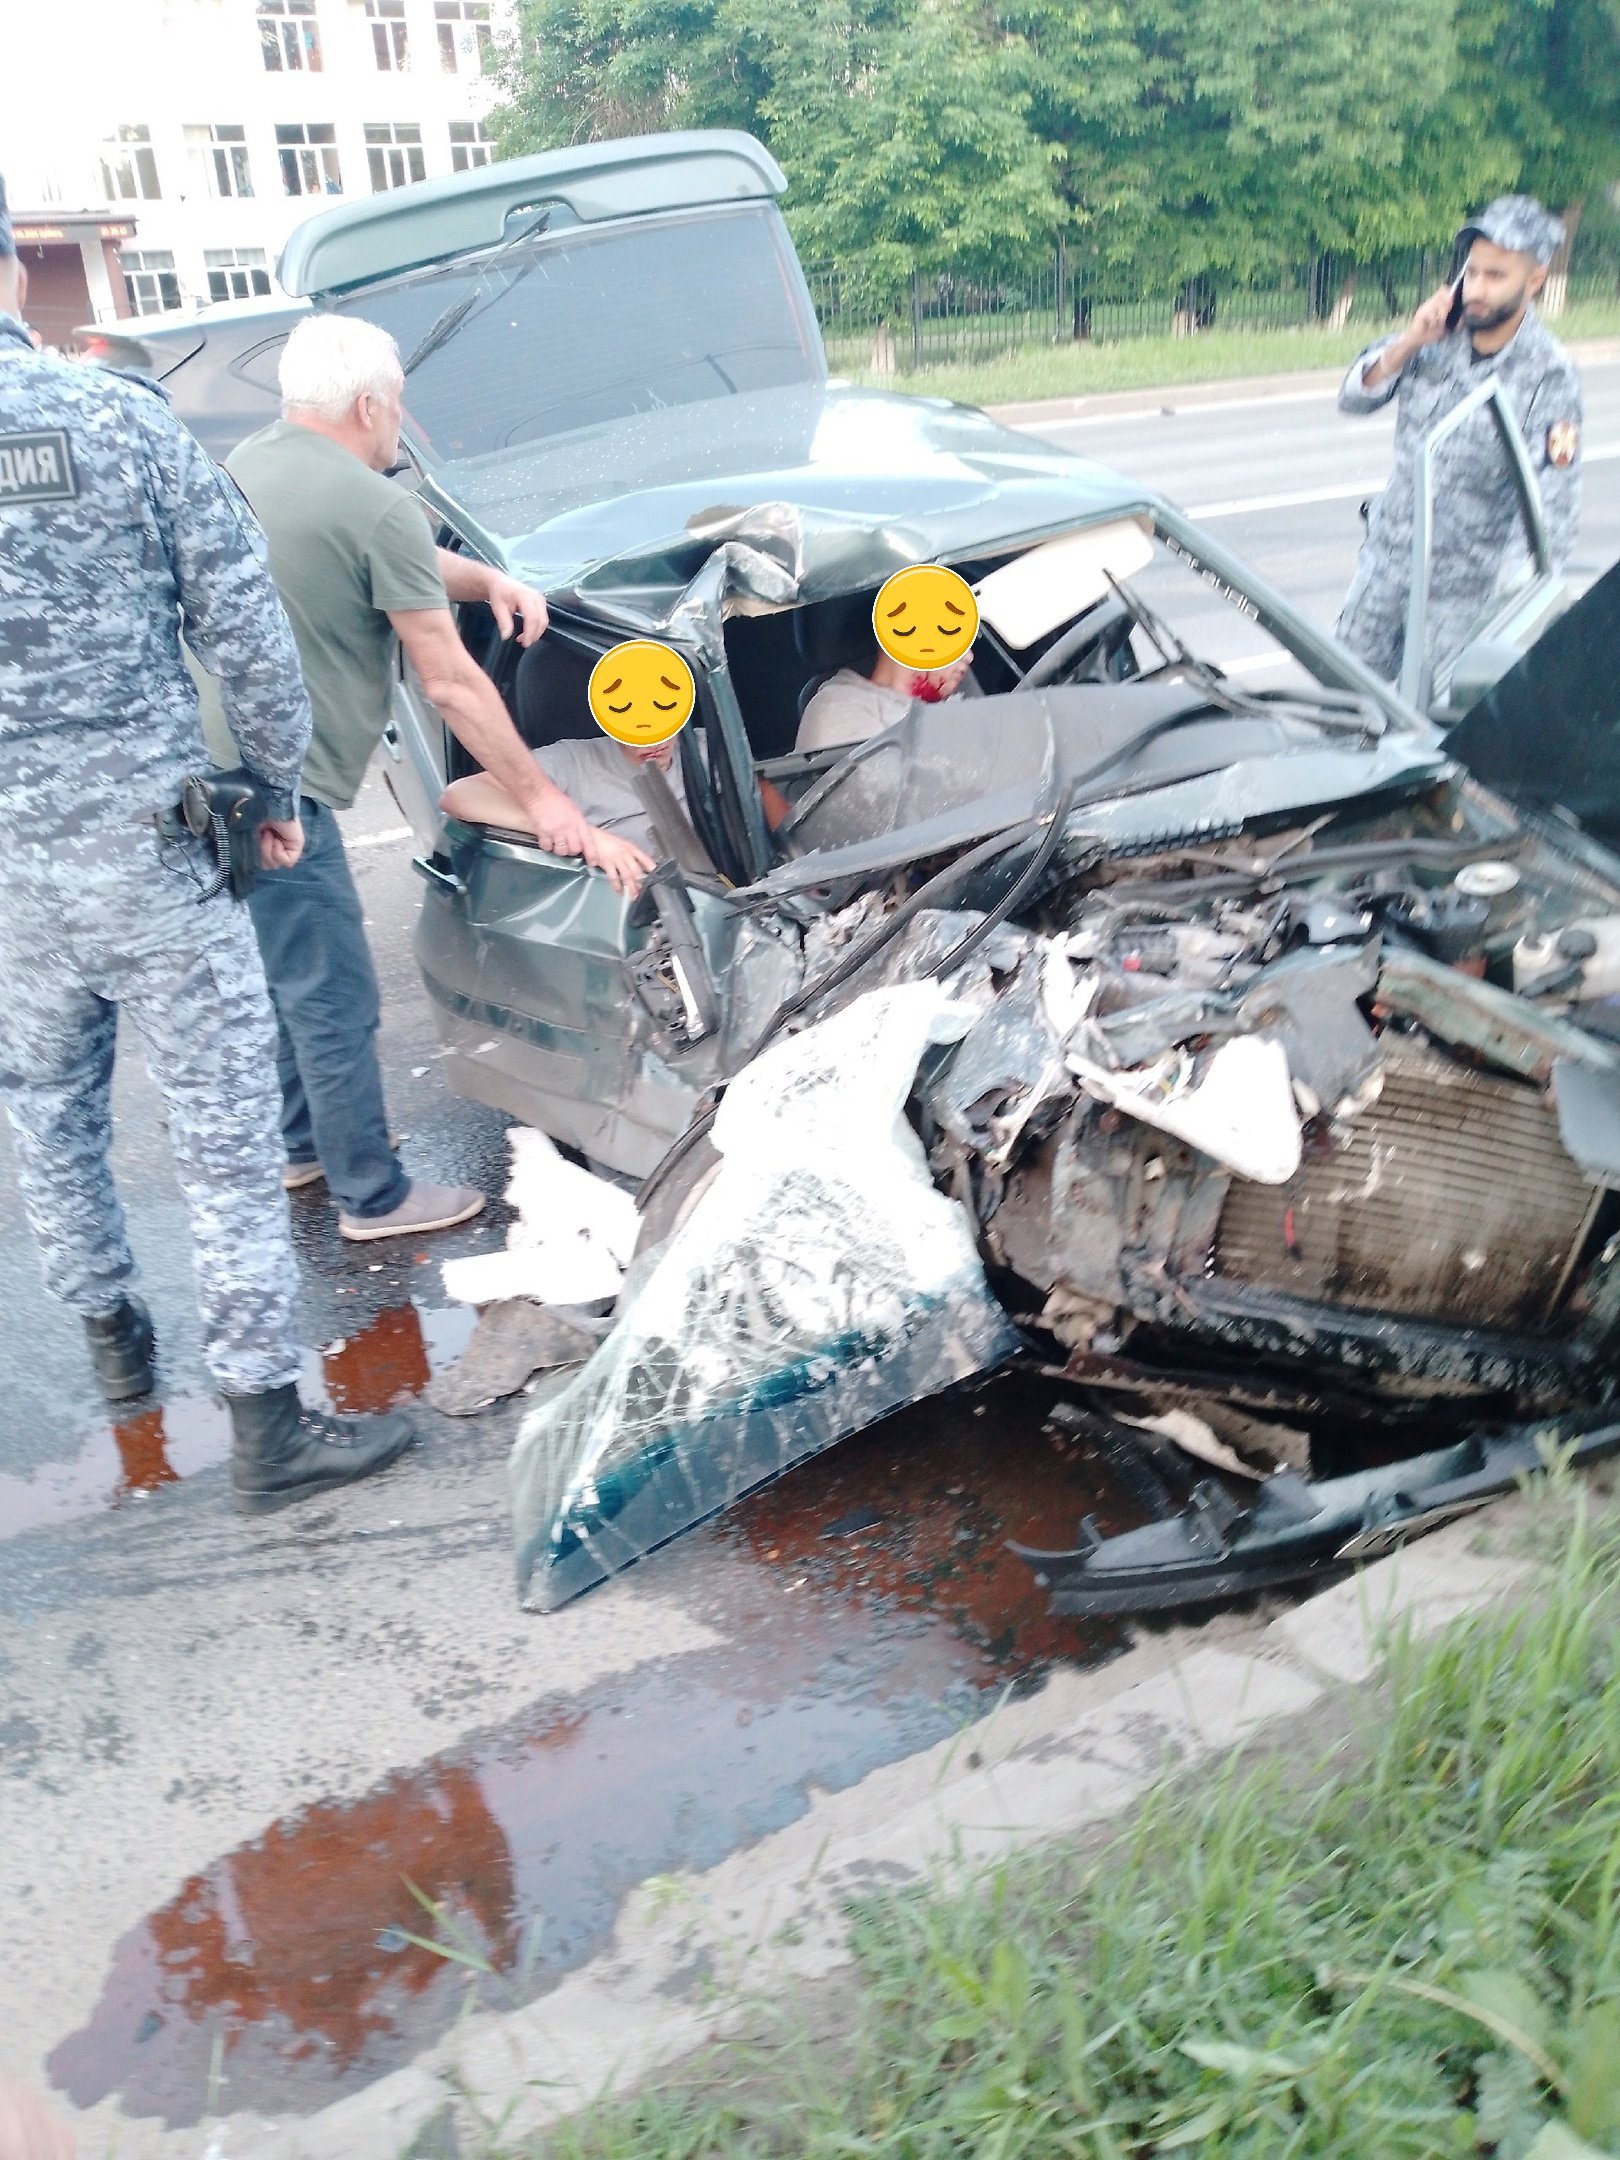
[(1176, 137), (902, 126)]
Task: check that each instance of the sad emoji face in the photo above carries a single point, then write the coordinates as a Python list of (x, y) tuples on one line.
[(926, 618), (641, 693)]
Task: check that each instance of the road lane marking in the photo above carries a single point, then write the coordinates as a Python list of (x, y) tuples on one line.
[(1295, 499), (380, 839), (1343, 491)]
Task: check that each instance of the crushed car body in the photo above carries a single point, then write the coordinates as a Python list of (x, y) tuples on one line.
[(1178, 1005)]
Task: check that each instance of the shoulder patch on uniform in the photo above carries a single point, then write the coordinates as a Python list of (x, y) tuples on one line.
[(1563, 442), (37, 468)]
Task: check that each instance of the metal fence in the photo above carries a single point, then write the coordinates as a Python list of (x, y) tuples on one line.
[(937, 320)]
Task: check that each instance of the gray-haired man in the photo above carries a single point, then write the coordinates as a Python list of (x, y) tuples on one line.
[(354, 561), (115, 529), (1455, 341)]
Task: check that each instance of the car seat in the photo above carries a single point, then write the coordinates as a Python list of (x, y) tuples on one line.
[(833, 634), (549, 693)]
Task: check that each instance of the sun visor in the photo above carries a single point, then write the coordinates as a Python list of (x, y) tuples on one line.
[(1038, 592), (1548, 734)]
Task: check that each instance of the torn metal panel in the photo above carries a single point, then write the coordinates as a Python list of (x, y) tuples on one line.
[(1513, 1034), (818, 1282), (1589, 1118), (1223, 1547)]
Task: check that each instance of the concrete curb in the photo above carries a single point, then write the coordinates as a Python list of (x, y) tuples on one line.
[(689, 1953), (1234, 390)]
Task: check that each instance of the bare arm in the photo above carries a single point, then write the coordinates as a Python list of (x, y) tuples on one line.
[(506, 599), (478, 800)]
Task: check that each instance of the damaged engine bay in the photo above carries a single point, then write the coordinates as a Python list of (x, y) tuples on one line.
[(1279, 1119)]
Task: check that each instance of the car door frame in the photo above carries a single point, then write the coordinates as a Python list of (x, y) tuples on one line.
[(1421, 684)]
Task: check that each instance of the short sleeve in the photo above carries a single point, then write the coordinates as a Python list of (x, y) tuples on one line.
[(402, 564)]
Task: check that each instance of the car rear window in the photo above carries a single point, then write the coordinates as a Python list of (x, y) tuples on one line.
[(584, 327)]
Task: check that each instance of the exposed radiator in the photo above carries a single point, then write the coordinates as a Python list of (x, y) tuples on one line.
[(1453, 1200)]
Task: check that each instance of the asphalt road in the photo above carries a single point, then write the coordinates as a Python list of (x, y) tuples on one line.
[(1280, 478), (224, 1745)]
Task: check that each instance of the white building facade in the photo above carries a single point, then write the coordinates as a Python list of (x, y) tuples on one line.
[(216, 126)]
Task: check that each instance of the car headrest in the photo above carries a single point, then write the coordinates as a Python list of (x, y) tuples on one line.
[(549, 693), (831, 634)]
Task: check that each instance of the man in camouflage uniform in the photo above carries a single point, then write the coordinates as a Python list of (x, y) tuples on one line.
[(1479, 543), (115, 527)]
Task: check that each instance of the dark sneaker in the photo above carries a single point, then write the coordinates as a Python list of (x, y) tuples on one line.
[(424, 1208), (121, 1348), (283, 1452)]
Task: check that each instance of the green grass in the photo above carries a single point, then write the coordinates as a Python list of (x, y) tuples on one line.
[(1408, 1947), (1049, 371)]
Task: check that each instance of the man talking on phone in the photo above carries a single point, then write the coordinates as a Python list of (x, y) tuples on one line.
[(1482, 324)]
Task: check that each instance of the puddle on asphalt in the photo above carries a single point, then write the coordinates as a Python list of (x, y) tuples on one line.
[(123, 1460), (869, 1610)]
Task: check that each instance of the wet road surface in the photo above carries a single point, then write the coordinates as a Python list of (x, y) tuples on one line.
[(878, 1607)]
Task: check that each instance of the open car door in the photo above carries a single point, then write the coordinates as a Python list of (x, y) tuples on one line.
[(1515, 618)]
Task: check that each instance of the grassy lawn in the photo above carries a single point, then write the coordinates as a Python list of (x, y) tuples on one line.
[(1407, 1945), (1046, 370)]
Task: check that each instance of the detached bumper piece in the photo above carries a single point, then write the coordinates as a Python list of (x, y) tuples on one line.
[(1219, 1549)]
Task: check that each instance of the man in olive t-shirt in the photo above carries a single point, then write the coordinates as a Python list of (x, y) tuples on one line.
[(353, 558)]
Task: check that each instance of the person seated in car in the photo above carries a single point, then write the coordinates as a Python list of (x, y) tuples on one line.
[(598, 777), (851, 708)]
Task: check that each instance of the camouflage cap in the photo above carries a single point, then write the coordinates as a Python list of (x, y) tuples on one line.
[(7, 245), (1518, 222)]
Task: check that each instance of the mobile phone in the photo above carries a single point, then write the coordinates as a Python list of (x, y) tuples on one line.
[(1454, 312)]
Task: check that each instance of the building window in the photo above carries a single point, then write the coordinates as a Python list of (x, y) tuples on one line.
[(149, 280), (289, 36), (470, 145), (390, 44), (394, 153), (219, 160), (466, 42), (128, 166), (236, 273), (309, 159)]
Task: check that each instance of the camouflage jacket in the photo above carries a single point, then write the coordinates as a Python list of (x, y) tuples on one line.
[(117, 531), (1479, 542)]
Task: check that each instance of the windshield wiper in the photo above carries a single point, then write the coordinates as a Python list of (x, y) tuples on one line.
[(445, 325), (1351, 717)]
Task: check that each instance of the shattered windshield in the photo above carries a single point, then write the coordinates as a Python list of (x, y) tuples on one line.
[(588, 325)]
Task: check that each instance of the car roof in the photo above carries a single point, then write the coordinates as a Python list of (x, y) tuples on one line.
[(379, 236)]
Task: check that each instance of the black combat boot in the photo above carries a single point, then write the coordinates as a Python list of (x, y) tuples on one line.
[(284, 1452), (121, 1347)]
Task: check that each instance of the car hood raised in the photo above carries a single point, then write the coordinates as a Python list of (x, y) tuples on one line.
[(865, 481)]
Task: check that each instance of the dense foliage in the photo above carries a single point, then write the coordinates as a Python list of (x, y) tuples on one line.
[(1227, 135)]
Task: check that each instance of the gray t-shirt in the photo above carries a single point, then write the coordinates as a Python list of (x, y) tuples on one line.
[(598, 779), (849, 709)]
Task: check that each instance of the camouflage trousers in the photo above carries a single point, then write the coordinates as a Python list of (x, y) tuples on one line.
[(1372, 621), (117, 921)]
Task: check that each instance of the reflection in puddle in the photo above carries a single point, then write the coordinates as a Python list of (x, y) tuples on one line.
[(868, 1609), (387, 1361)]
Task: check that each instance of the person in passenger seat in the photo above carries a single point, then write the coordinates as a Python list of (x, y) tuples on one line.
[(851, 708)]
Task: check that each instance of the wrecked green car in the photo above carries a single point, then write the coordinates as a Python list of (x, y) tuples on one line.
[(1178, 1004)]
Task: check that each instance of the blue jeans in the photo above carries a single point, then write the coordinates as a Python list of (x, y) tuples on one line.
[(312, 937)]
